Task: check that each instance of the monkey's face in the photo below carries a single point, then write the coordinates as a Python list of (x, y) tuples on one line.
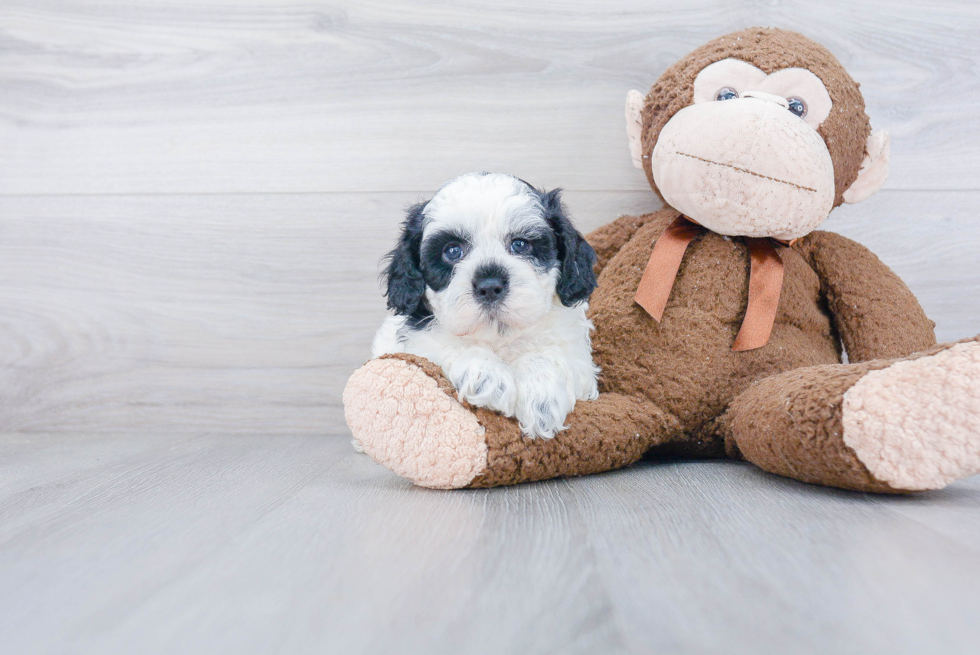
[(745, 159), (764, 141)]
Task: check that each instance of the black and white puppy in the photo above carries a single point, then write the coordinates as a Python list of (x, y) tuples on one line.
[(490, 281)]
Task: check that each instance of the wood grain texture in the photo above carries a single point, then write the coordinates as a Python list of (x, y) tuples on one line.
[(266, 96), (246, 314), (778, 566), (276, 544)]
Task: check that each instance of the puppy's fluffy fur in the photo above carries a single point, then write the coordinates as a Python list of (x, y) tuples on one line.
[(490, 281)]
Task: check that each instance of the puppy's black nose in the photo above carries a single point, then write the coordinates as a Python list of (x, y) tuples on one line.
[(489, 289), (490, 284)]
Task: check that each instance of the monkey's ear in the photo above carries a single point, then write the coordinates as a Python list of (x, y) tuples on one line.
[(634, 125), (874, 168), (403, 274), (576, 279)]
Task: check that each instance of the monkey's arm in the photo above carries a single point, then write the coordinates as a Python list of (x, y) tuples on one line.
[(875, 314), (608, 239)]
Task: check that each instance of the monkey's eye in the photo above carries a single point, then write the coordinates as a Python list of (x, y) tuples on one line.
[(726, 93), (520, 247), (797, 106), (452, 253)]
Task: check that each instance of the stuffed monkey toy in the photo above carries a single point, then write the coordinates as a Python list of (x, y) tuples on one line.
[(722, 320)]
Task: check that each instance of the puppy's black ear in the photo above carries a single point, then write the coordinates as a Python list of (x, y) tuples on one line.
[(576, 280), (402, 276)]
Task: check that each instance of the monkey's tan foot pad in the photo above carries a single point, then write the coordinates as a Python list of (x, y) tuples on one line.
[(406, 421), (916, 424)]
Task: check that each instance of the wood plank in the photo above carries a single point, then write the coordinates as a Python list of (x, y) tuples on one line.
[(738, 561), (143, 97), (260, 543), (288, 544), (247, 313)]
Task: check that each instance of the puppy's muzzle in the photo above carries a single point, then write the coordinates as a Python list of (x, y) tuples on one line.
[(490, 284)]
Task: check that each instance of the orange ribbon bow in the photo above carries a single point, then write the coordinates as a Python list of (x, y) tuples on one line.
[(765, 280)]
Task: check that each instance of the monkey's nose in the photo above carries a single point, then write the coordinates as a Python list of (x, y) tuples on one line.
[(779, 100), (489, 289)]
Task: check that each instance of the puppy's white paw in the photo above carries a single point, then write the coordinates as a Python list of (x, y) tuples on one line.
[(543, 400), (543, 418), (484, 383)]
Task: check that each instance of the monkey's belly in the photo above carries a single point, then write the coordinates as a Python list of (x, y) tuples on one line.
[(685, 364)]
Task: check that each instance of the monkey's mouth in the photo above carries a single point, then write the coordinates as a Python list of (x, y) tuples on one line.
[(745, 170)]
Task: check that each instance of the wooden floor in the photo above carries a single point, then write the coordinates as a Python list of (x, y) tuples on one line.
[(193, 201), (258, 544)]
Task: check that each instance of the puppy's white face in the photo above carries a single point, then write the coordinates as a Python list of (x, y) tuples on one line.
[(488, 255)]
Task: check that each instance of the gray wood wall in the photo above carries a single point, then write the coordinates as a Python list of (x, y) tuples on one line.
[(194, 196)]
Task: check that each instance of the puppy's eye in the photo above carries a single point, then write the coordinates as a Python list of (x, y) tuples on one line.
[(797, 106), (452, 253), (726, 93), (520, 247)]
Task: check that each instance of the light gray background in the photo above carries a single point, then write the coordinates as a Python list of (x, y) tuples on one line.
[(194, 197)]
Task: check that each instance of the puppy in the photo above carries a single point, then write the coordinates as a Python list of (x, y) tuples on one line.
[(490, 281)]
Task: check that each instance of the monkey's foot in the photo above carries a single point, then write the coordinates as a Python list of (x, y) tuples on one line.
[(404, 413), (916, 423), (408, 421)]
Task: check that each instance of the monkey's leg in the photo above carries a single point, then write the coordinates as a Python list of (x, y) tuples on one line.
[(888, 426), (405, 415)]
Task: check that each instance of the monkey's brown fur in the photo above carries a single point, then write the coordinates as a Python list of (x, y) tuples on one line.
[(677, 386)]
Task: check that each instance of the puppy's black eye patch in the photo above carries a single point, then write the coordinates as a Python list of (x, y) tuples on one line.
[(440, 252), (539, 247)]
